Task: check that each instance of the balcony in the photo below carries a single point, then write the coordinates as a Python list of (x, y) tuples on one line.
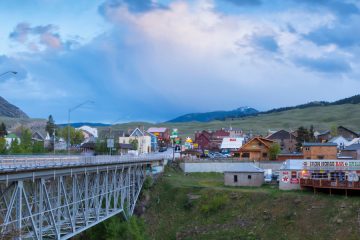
[(325, 183)]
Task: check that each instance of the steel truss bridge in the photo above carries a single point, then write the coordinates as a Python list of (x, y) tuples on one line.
[(46, 197)]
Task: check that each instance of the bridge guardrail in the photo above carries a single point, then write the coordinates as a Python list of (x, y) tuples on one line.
[(14, 163)]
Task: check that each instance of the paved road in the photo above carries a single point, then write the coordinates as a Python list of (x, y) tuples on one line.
[(27, 162)]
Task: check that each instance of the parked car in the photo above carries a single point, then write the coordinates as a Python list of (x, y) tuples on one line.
[(216, 155), (162, 149), (268, 178)]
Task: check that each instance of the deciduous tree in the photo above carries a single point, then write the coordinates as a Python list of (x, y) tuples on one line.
[(274, 151)]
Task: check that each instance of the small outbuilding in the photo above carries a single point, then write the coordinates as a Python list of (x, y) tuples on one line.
[(247, 175)]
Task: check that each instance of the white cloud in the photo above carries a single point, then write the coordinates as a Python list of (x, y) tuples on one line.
[(200, 55), (29, 88)]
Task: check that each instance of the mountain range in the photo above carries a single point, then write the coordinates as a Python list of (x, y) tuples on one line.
[(216, 115), (248, 111), (13, 112), (9, 110)]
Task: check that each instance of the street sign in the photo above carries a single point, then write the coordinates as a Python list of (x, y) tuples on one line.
[(174, 133), (110, 142)]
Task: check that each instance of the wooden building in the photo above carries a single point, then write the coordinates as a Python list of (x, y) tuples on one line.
[(352, 151), (332, 174), (319, 150), (285, 139), (210, 140), (347, 133), (256, 149)]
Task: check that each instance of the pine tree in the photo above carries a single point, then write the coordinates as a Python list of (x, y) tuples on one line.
[(3, 131), (50, 125), (2, 145), (302, 136), (311, 134)]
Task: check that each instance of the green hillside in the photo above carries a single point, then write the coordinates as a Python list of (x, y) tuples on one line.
[(322, 117), (199, 206)]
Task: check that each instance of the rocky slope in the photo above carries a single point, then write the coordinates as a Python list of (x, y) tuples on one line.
[(9, 110)]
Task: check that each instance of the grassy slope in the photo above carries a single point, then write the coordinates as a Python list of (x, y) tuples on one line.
[(20, 121), (321, 117), (248, 213)]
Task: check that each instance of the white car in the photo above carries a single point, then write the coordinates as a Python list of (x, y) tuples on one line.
[(268, 178)]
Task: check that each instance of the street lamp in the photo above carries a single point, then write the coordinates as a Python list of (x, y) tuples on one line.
[(69, 111), (110, 137), (12, 72)]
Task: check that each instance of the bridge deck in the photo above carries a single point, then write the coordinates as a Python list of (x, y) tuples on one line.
[(33, 163), (57, 197)]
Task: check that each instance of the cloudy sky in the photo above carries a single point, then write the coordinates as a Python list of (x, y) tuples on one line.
[(156, 59)]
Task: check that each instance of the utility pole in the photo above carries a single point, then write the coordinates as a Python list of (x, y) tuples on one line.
[(54, 139)]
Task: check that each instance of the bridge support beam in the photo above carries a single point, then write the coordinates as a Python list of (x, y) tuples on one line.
[(60, 204)]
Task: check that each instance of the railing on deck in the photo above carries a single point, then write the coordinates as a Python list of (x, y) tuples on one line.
[(324, 183), (14, 163)]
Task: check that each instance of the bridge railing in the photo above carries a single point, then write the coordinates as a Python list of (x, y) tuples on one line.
[(13, 163)]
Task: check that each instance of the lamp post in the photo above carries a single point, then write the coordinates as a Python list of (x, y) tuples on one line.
[(110, 136), (69, 112), (54, 139), (12, 72)]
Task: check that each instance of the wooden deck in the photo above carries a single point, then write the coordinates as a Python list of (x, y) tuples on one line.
[(323, 183)]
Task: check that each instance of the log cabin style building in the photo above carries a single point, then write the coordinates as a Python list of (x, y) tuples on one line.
[(256, 149)]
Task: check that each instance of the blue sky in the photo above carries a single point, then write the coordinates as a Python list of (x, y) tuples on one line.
[(154, 60)]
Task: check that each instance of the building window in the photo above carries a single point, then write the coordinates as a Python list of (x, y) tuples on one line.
[(264, 155), (235, 178), (320, 156), (245, 155), (249, 176), (307, 149), (319, 175)]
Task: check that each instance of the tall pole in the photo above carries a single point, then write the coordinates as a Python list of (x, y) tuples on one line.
[(68, 135), (69, 111), (54, 139)]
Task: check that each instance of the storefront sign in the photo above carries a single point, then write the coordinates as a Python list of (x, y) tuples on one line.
[(331, 165), (285, 179), (294, 181)]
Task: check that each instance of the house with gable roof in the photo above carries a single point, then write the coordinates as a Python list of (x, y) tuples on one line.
[(256, 149), (143, 140), (347, 133), (285, 139)]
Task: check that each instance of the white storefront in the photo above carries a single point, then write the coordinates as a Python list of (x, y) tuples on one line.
[(333, 171)]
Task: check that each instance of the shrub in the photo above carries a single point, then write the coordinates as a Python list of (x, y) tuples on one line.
[(211, 204), (148, 183)]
